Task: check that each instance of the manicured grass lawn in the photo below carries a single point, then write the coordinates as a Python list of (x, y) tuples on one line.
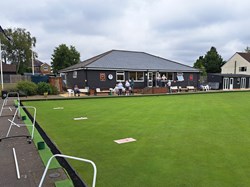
[(182, 140)]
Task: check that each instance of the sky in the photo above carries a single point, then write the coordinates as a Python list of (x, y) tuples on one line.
[(177, 30)]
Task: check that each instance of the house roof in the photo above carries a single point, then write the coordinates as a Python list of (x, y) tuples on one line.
[(246, 56), (9, 68), (130, 60), (45, 64), (38, 63)]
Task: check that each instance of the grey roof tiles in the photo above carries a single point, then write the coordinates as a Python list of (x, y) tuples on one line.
[(131, 60)]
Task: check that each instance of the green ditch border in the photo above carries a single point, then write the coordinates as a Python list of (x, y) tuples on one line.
[(45, 153)]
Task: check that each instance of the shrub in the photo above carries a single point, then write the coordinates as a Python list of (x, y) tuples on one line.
[(43, 87), (12, 89), (27, 87), (53, 90)]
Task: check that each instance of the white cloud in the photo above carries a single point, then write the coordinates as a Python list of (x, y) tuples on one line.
[(173, 29)]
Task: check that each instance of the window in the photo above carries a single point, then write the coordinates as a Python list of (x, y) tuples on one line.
[(170, 76), (120, 76), (45, 68), (75, 74), (37, 69), (138, 76), (238, 80), (242, 69)]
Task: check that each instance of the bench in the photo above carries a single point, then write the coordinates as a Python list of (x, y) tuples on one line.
[(99, 91), (174, 88), (183, 89), (191, 88), (84, 90)]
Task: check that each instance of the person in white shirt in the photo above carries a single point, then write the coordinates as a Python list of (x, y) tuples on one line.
[(116, 90), (163, 79), (169, 86), (127, 87), (120, 88)]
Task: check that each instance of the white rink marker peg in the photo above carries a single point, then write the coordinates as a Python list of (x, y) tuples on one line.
[(58, 108), (80, 118)]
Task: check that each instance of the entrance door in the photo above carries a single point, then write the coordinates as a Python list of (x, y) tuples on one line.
[(243, 82), (231, 86), (150, 79), (225, 83)]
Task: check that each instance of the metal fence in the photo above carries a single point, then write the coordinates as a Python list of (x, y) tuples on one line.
[(15, 78)]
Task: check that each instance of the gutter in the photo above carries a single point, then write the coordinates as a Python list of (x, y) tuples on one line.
[(122, 69)]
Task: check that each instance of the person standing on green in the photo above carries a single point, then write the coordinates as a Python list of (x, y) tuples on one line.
[(131, 81), (169, 86)]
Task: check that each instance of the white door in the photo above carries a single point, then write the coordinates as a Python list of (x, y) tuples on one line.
[(225, 83), (243, 82), (150, 79), (231, 86)]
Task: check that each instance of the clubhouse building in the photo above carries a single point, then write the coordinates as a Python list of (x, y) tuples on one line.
[(105, 70)]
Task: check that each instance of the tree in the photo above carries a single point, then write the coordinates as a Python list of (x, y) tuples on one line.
[(247, 50), (199, 65), (212, 62), (18, 50), (64, 57)]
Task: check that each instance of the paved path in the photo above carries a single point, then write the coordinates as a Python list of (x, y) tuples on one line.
[(30, 164)]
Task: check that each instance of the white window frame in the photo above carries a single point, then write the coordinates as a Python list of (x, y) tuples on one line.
[(120, 73), (243, 69), (136, 76), (74, 74), (45, 68), (167, 75)]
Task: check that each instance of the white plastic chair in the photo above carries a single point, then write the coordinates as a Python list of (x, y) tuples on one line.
[(98, 90), (70, 92)]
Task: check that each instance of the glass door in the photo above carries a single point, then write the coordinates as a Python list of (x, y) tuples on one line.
[(225, 83), (150, 79), (243, 82)]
